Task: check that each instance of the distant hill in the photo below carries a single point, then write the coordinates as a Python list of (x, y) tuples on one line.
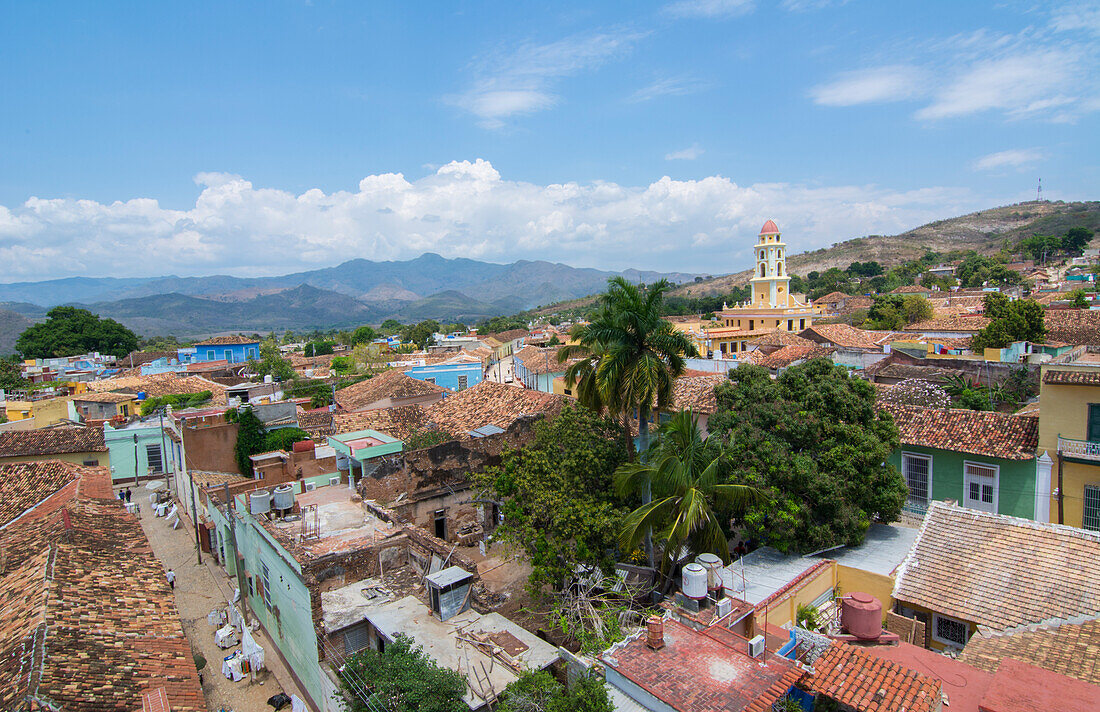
[(984, 232), (12, 324)]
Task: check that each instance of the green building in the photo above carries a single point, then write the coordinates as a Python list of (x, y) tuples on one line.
[(983, 461), (143, 447)]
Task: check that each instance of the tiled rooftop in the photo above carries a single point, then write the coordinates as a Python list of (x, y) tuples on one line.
[(24, 484), (490, 403), (398, 422), (542, 360), (88, 621), (162, 385), (703, 671), (60, 440), (697, 392), (832, 298), (912, 289), (345, 525), (108, 397), (1000, 571), (965, 323), (392, 384), (318, 423), (227, 341), (789, 354), (1082, 377), (781, 338), (841, 335), (1073, 326), (1011, 437), (867, 683), (1067, 647)]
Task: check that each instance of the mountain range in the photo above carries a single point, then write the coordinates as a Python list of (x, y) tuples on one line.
[(355, 292)]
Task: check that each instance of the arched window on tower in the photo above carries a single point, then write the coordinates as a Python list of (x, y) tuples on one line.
[(761, 269), (779, 270)]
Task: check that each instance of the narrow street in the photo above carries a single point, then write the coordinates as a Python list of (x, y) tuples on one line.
[(200, 588)]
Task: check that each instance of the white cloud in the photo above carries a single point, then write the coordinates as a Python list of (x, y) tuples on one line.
[(522, 80), (463, 209), (687, 154), (667, 86), (1050, 72), (1012, 158), (806, 5), (709, 8), (866, 86)]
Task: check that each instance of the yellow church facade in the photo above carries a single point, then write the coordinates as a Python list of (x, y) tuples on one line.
[(772, 307)]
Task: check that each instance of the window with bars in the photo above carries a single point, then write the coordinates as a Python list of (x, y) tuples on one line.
[(1090, 517), (950, 631), (463, 382), (155, 459), (917, 470), (265, 575), (980, 486)]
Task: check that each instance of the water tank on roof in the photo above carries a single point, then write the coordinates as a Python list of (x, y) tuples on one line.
[(284, 497), (694, 582), (141, 395), (304, 446), (861, 615), (713, 565), (259, 502)]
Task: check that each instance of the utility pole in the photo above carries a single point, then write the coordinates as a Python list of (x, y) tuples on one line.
[(136, 468), (232, 517), (195, 521), (163, 450)]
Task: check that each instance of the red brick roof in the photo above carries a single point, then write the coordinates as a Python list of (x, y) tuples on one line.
[(832, 298), (1084, 377), (697, 392), (24, 484), (912, 289), (965, 323), (400, 422), (789, 354), (227, 341), (865, 683), (1010, 437), (65, 439), (703, 671), (542, 360), (1073, 326), (392, 384), (88, 621), (490, 403), (781, 338), (841, 335), (1020, 687), (1067, 647)]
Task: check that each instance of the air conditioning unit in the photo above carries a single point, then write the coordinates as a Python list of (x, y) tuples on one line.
[(723, 607), (756, 647), (310, 486), (334, 480)]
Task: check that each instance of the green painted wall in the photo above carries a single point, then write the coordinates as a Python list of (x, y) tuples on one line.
[(1016, 487)]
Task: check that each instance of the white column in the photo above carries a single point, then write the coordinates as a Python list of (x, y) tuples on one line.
[(1044, 465)]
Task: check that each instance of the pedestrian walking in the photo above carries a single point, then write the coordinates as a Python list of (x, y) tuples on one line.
[(121, 496), (128, 495), (171, 576)]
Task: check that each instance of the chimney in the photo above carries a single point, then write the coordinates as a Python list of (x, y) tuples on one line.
[(655, 632)]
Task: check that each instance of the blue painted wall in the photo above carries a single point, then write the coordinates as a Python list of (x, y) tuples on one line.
[(234, 353), (447, 374), (120, 443)]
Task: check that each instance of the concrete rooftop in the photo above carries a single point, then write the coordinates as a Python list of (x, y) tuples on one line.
[(344, 525)]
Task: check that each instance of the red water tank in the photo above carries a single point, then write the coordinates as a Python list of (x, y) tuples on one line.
[(861, 615), (304, 446)]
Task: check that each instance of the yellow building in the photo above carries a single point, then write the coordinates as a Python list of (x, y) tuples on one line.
[(772, 307), (18, 409), (68, 443), (1069, 437)]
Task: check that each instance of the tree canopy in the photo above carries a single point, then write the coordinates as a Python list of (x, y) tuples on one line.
[(11, 376), (1010, 320), (558, 501), (271, 362), (978, 270), (69, 331), (402, 678), (893, 312), (251, 439), (815, 443), (420, 333), (540, 692)]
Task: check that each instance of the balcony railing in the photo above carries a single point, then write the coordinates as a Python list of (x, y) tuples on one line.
[(1079, 449)]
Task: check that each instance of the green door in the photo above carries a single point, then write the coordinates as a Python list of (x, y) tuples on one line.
[(1094, 423)]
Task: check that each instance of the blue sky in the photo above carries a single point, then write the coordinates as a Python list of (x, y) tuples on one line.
[(257, 138)]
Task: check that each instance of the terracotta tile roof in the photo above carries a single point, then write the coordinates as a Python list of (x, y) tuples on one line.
[(398, 422), (24, 484), (318, 423), (1021, 687), (697, 392), (1073, 326), (490, 403), (542, 360), (392, 384), (789, 354), (1067, 647), (1010, 437), (227, 341), (108, 397), (866, 683), (781, 338), (511, 335), (51, 441), (912, 289), (1000, 571), (162, 385), (88, 621), (842, 336), (832, 298), (1083, 377), (703, 671), (968, 323), (856, 303)]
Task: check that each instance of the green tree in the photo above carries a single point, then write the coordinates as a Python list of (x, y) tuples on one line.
[(251, 439), (427, 437), (689, 476), (1079, 300), (363, 335), (1039, 247), (391, 326), (1076, 240), (283, 439), (915, 308), (421, 333), (554, 341), (886, 313), (1010, 320), (815, 442), (540, 692), (69, 331), (11, 376), (558, 501), (634, 356), (974, 399), (271, 362), (978, 270), (402, 678)]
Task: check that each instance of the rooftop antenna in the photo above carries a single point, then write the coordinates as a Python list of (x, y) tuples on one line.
[(1039, 192)]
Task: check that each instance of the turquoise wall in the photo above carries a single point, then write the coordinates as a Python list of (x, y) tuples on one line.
[(1016, 485), (120, 443)]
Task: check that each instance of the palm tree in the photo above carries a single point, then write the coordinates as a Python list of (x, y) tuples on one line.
[(631, 357), (686, 471)]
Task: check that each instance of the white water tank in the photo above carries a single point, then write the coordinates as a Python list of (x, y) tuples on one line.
[(694, 582), (713, 565), (284, 497), (259, 502)]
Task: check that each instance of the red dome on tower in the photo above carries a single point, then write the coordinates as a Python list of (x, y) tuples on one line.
[(770, 228)]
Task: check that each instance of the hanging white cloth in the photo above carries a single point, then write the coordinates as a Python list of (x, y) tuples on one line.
[(235, 618), (296, 704), (226, 637), (252, 650), (231, 667)]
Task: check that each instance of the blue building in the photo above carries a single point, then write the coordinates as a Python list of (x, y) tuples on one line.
[(234, 349), (457, 374)]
